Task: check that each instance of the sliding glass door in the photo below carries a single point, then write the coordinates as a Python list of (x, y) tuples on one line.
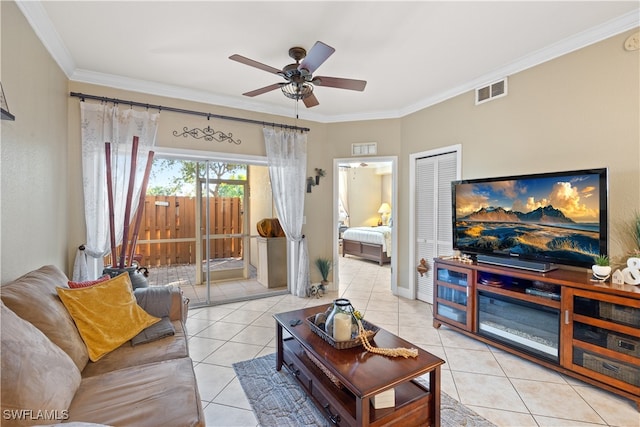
[(199, 228), (223, 238)]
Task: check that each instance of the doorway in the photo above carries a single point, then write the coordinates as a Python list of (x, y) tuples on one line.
[(365, 194), (222, 233), (201, 229)]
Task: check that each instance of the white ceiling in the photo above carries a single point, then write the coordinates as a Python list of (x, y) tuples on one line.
[(412, 54)]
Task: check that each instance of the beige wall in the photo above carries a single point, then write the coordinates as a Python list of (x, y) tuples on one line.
[(365, 188), (580, 110), (368, 189), (34, 190), (386, 191), (260, 204)]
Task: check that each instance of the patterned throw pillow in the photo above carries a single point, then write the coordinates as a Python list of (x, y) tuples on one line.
[(76, 285)]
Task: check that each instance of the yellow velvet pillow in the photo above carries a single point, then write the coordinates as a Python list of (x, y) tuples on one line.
[(107, 314)]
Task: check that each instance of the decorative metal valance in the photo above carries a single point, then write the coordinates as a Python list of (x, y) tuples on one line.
[(208, 134)]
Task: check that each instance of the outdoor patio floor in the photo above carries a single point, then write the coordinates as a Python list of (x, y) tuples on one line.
[(224, 291)]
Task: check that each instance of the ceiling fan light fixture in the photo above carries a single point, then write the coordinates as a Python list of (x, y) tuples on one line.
[(297, 91)]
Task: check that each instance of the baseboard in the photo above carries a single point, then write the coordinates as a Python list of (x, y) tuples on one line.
[(405, 293)]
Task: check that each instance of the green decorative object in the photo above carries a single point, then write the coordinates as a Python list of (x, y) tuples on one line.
[(635, 230), (601, 268), (601, 260), (324, 266)]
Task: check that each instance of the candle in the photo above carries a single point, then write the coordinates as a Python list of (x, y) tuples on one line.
[(342, 327)]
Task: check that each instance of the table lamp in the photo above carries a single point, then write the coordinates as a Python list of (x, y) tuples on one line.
[(385, 211)]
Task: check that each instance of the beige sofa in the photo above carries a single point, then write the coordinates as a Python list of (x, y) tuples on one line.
[(47, 377)]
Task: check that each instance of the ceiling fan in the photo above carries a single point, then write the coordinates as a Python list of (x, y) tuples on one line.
[(299, 77)]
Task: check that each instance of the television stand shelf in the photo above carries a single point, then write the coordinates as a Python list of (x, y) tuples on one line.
[(558, 319)]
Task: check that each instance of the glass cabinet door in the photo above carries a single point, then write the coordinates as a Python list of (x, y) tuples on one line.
[(605, 331), (451, 297)]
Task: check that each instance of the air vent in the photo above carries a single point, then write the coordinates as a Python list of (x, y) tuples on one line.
[(494, 90)]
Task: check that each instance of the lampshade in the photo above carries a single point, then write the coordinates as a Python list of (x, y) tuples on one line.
[(384, 208)]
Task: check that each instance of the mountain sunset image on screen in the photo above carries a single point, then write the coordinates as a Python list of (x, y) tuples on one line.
[(558, 217)]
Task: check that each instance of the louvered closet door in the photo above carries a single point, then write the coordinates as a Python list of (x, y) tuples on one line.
[(433, 214)]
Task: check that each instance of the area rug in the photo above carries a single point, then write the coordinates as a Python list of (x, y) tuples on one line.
[(277, 400)]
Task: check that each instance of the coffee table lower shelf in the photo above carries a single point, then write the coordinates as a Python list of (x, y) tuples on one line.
[(340, 406)]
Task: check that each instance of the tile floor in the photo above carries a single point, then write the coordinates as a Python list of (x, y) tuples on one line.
[(503, 388)]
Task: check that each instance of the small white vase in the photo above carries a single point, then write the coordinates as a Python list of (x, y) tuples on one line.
[(601, 272)]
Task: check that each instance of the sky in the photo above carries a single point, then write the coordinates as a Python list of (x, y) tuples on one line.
[(577, 196)]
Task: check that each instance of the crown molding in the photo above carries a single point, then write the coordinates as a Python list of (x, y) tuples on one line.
[(37, 17), (577, 41), (179, 92)]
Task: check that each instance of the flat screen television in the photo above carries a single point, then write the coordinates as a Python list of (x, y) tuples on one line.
[(557, 218)]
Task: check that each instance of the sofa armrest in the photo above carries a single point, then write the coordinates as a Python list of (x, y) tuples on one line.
[(163, 301)]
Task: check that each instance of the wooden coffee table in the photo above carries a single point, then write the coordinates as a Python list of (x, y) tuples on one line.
[(359, 375)]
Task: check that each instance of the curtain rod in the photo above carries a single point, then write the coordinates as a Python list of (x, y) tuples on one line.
[(84, 96)]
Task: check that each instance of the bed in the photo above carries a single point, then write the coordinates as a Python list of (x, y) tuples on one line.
[(372, 243)]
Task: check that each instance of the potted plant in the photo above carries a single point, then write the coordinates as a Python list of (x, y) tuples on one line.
[(324, 266), (601, 268), (635, 233)]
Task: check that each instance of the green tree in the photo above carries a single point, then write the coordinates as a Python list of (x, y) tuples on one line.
[(232, 190), (186, 175), (159, 190)]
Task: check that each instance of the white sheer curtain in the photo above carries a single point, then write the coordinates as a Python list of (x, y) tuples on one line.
[(287, 159), (343, 190), (101, 123)]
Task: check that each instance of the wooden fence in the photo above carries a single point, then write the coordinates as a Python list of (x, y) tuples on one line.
[(173, 217)]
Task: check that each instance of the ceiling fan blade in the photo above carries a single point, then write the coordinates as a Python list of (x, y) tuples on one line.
[(310, 101), (263, 90), (256, 64), (316, 56), (339, 83)]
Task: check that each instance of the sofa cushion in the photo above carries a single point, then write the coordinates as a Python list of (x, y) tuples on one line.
[(107, 314), (38, 378), (38, 289), (155, 394), (126, 355)]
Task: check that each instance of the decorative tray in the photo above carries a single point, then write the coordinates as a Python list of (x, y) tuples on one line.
[(369, 329)]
